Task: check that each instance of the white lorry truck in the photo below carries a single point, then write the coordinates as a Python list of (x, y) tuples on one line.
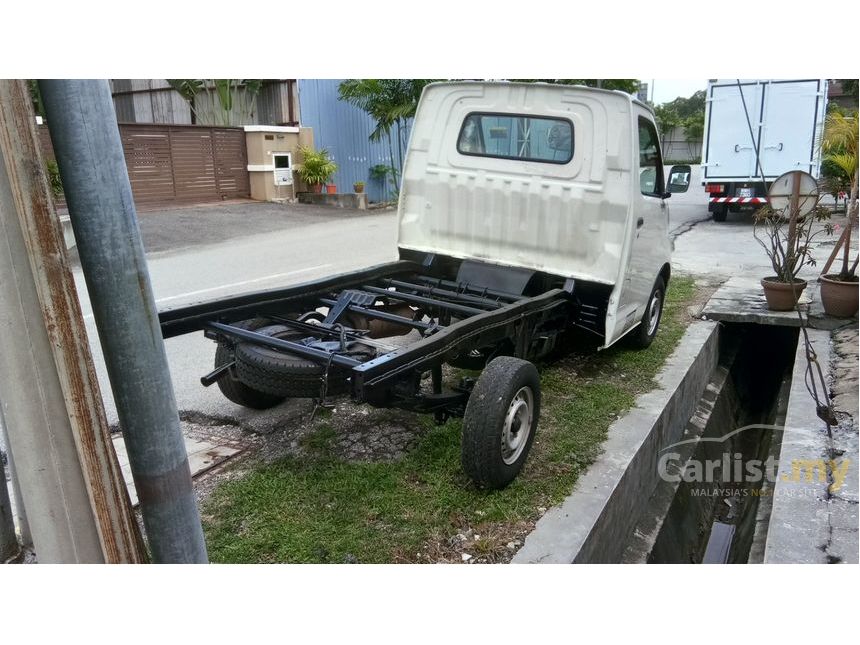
[(756, 130), (525, 210)]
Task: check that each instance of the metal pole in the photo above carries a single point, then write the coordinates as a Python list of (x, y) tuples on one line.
[(82, 122)]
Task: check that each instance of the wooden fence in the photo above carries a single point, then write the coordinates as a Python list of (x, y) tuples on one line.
[(180, 163)]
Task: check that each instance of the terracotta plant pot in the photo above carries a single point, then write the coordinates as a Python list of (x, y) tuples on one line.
[(781, 296), (331, 189), (839, 297), (317, 188)]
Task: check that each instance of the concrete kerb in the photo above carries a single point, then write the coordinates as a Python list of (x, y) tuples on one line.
[(594, 523), (806, 520)]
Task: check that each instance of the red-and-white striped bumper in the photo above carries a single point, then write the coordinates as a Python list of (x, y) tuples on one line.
[(738, 200)]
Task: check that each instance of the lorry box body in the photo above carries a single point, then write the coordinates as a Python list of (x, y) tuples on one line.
[(755, 128)]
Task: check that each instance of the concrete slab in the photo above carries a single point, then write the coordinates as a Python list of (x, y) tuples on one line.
[(202, 455), (356, 201), (814, 514), (741, 300), (729, 249), (594, 523)]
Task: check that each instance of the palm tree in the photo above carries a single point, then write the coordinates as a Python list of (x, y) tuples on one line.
[(839, 145), (390, 101)]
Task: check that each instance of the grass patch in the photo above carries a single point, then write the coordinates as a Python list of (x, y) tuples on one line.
[(319, 509)]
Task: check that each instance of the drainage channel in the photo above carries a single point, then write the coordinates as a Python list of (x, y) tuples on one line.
[(713, 499)]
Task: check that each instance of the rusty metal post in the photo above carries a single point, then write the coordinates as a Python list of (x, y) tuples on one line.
[(89, 152), (70, 481)]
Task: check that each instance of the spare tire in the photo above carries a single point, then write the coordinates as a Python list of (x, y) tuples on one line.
[(230, 385), (283, 374)]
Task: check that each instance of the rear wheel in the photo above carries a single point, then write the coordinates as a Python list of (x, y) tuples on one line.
[(500, 422), (230, 386), (721, 212)]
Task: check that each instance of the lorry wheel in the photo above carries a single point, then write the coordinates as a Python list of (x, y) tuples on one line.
[(721, 212), (282, 374), (500, 422), (231, 387), (643, 335)]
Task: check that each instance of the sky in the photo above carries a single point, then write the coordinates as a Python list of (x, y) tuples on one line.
[(668, 89)]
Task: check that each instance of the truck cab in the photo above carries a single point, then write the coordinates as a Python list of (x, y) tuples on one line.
[(566, 181)]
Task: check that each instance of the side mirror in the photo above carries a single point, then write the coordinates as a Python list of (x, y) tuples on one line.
[(679, 179)]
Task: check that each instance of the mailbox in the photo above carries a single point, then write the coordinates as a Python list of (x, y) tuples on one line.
[(283, 169)]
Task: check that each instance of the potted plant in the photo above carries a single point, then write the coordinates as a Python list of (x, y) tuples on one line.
[(358, 187), (787, 246), (387, 176), (331, 189), (316, 168), (839, 291)]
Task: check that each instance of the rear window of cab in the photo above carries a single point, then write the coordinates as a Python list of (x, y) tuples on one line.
[(516, 136)]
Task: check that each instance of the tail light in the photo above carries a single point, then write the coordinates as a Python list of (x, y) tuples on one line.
[(715, 188)]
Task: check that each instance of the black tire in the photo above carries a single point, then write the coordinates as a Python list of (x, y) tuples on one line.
[(282, 374), (231, 387), (721, 212), (486, 423), (646, 331)]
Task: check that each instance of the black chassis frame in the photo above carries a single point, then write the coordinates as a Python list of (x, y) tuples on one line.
[(504, 323)]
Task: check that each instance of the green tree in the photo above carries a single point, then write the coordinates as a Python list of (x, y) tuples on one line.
[(849, 86), (839, 146), (667, 120), (36, 97), (687, 113), (687, 107), (629, 85)]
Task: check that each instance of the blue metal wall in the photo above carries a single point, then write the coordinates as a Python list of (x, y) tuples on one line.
[(344, 130)]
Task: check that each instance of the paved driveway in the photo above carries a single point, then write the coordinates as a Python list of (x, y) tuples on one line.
[(173, 229)]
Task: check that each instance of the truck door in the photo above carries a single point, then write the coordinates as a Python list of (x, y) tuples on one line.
[(648, 250), (729, 151), (788, 127)]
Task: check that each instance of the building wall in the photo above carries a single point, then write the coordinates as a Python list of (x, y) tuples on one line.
[(154, 101), (345, 131), (677, 148), (148, 101)]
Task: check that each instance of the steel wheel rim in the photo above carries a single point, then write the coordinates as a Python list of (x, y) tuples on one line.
[(518, 425), (654, 311)]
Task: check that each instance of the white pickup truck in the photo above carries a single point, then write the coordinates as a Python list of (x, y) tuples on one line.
[(525, 210)]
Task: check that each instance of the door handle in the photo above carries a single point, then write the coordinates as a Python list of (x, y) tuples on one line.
[(640, 222)]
